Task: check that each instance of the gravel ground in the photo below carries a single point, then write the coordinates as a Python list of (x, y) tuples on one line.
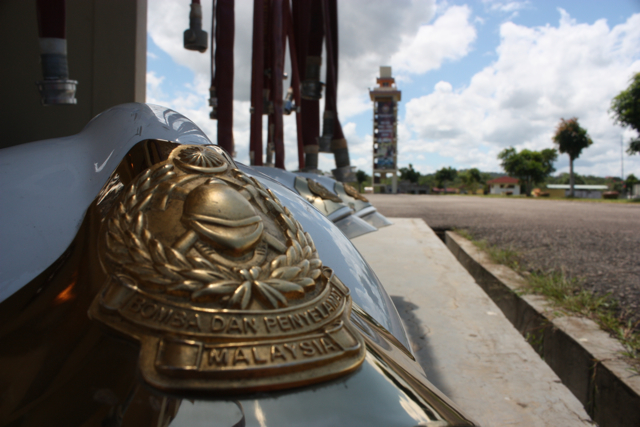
[(596, 242)]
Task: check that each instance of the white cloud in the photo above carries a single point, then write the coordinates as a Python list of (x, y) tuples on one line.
[(443, 87), (371, 32), (541, 75), (449, 38), (154, 90), (505, 6)]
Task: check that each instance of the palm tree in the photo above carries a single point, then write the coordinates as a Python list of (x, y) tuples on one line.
[(571, 139)]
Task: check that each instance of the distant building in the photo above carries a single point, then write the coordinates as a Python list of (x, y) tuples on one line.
[(504, 185), (448, 190), (579, 190), (407, 187)]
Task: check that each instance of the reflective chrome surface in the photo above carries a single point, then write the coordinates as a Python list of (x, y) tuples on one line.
[(375, 219), (60, 368), (313, 192), (324, 199), (48, 185), (89, 378), (359, 204), (339, 213), (386, 391), (353, 226), (334, 249)]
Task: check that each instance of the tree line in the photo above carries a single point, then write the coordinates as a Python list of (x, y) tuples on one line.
[(472, 180)]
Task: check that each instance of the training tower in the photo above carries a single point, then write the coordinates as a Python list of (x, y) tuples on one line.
[(385, 99)]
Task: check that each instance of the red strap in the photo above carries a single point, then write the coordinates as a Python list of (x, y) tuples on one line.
[(51, 18), (214, 34), (332, 65), (277, 72), (301, 15), (295, 79), (225, 32), (257, 77)]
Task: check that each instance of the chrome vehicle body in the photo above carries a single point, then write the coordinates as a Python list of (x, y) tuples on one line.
[(62, 365), (323, 199), (349, 195)]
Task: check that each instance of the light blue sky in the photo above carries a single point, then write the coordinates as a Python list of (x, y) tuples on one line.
[(476, 77)]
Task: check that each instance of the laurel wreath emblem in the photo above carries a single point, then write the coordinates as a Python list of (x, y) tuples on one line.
[(321, 191), (137, 255), (351, 191)]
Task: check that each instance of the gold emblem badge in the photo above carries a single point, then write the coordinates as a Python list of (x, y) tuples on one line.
[(321, 191), (354, 193), (219, 283)]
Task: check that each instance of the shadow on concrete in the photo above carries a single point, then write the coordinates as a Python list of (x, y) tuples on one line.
[(441, 232), (420, 342)]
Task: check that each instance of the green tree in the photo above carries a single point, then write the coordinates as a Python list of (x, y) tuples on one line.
[(362, 177), (614, 183), (444, 175), (471, 178), (429, 180), (486, 176), (626, 111), (530, 167), (565, 178), (409, 174), (630, 182), (571, 139)]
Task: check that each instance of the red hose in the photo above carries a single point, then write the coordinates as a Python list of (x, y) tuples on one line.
[(295, 80), (257, 77), (51, 18), (331, 104), (225, 33), (277, 72)]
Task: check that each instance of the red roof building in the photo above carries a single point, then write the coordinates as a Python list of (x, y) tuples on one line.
[(503, 180), (504, 185)]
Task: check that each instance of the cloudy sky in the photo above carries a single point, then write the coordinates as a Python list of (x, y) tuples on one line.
[(476, 77)]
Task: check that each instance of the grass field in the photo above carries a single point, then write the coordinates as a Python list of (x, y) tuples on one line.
[(568, 296)]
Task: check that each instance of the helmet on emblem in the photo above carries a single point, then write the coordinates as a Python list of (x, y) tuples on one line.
[(222, 216)]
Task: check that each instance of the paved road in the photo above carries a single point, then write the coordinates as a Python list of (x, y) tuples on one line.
[(597, 242)]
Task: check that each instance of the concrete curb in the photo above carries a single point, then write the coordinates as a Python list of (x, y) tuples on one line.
[(586, 359)]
